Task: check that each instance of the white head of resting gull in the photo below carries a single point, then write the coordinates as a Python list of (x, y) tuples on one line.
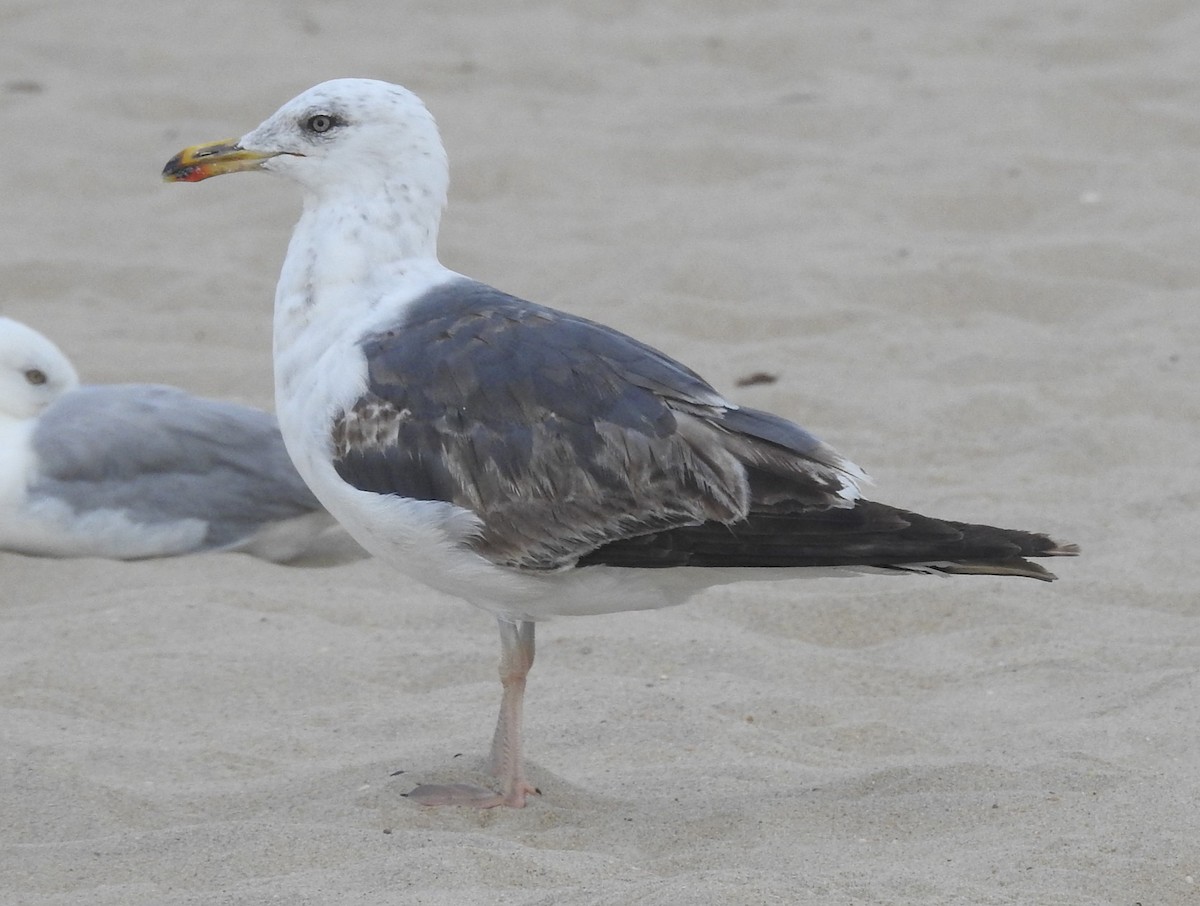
[(127, 471), (530, 461)]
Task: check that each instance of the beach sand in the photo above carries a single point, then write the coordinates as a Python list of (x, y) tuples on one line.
[(963, 239)]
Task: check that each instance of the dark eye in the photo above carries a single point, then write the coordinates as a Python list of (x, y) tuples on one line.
[(35, 376), (320, 122)]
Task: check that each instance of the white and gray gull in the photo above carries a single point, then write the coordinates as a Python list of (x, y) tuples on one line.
[(530, 461), (128, 471)]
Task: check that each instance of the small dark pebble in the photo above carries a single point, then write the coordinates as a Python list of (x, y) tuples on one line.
[(758, 377), (23, 86)]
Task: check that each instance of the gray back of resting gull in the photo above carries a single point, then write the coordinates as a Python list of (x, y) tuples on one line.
[(530, 461), (128, 471)]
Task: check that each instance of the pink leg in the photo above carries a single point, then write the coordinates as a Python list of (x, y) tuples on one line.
[(506, 763)]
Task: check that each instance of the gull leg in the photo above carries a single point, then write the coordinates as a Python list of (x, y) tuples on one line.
[(506, 762), (507, 759)]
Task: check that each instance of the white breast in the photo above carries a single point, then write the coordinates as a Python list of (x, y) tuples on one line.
[(17, 467)]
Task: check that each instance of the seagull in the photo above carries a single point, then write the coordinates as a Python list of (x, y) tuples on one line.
[(131, 471), (530, 461)]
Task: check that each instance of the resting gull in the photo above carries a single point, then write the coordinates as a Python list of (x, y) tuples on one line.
[(127, 471), (530, 461)]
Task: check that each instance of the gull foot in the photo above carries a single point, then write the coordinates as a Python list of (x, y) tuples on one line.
[(432, 794)]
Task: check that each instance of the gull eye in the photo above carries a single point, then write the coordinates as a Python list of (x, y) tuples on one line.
[(320, 122), (35, 376)]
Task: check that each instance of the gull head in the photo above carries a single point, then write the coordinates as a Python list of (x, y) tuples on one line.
[(348, 135), (33, 371)]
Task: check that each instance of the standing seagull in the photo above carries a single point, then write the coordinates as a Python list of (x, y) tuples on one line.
[(530, 461), (128, 471)]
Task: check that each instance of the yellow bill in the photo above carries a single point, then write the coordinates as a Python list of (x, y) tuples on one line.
[(214, 159)]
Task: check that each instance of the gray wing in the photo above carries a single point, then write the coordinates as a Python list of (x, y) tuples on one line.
[(159, 455), (561, 434)]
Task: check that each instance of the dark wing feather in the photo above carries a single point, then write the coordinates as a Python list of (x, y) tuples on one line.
[(869, 534), (560, 434)]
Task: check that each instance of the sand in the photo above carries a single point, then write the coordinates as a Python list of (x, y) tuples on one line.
[(963, 238)]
